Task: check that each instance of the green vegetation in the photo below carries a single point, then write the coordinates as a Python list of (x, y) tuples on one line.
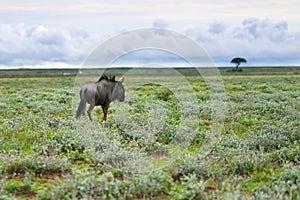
[(45, 155)]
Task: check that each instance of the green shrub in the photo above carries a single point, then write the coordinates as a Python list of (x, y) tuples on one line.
[(153, 184), (285, 185), (34, 164), (189, 187), (270, 138), (90, 186), (59, 143), (189, 165), (285, 155), (243, 166)]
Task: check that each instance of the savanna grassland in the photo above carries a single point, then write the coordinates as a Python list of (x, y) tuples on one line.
[(46, 154)]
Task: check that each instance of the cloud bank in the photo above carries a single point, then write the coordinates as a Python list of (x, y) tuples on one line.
[(261, 41), (34, 45)]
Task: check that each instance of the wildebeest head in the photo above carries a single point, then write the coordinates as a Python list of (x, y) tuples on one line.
[(119, 91)]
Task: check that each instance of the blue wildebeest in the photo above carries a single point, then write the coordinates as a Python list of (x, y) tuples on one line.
[(101, 93)]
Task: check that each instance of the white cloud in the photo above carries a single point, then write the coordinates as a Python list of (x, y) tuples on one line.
[(263, 41), (23, 45), (217, 28), (159, 23), (47, 35)]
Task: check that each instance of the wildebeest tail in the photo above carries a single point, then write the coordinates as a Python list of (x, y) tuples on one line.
[(81, 104)]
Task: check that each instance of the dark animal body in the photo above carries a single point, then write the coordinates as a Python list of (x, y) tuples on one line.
[(101, 93)]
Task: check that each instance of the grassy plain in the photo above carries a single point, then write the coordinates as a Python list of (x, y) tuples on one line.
[(45, 154)]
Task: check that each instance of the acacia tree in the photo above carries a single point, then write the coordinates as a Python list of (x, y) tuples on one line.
[(238, 61)]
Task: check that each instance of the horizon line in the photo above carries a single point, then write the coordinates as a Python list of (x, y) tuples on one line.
[(143, 67)]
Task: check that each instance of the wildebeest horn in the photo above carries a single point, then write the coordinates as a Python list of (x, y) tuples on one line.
[(122, 79)]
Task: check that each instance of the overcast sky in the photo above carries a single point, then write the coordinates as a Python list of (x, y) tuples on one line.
[(64, 33)]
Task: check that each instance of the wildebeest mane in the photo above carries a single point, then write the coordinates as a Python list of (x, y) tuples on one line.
[(107, 78)]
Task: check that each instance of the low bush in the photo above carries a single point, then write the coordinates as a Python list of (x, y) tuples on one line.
[(190, 187), (285, 185), (88, 185), (17, 165)]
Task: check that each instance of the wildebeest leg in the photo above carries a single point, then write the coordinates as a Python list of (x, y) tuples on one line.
[(89, 111), (83, 113), (105, 109)]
